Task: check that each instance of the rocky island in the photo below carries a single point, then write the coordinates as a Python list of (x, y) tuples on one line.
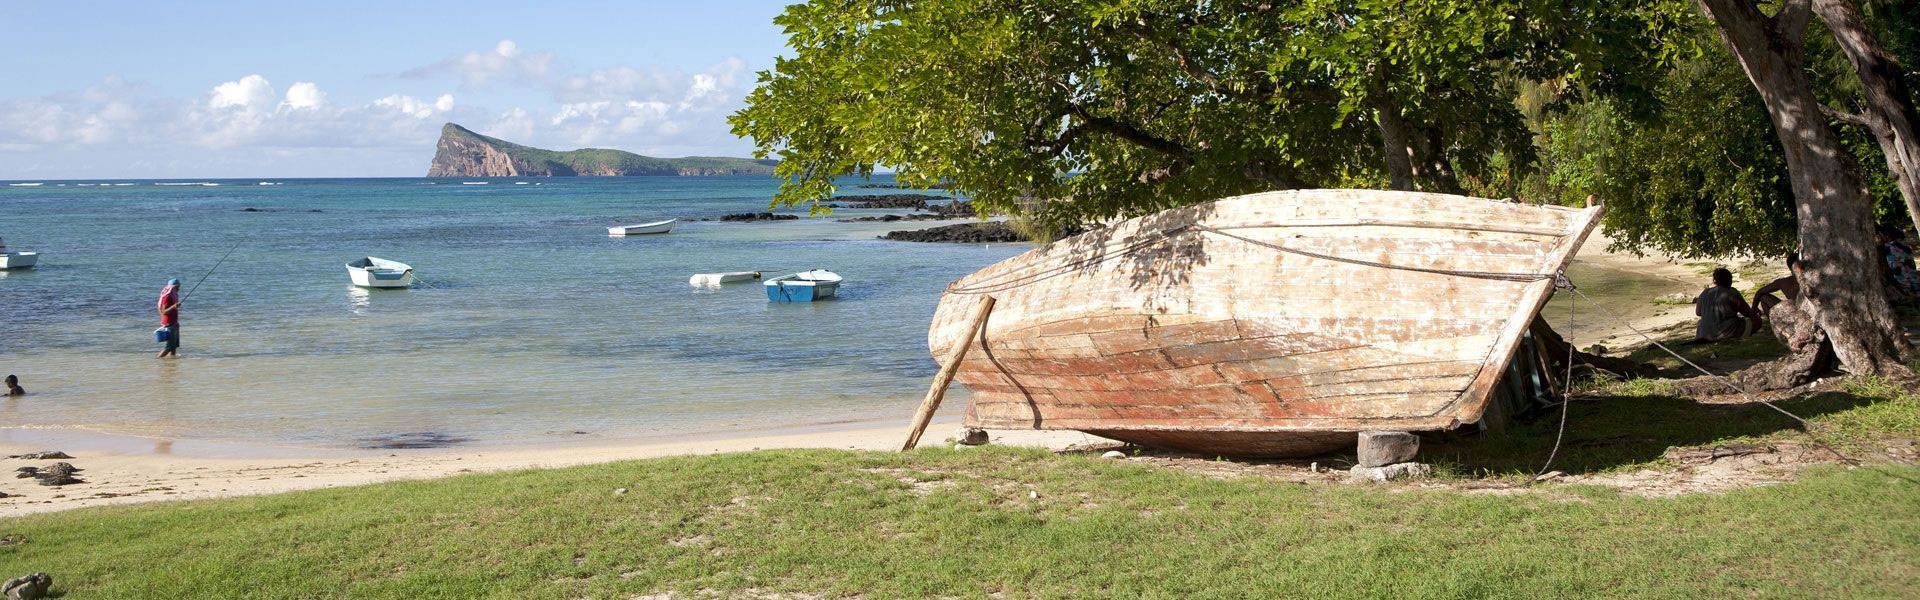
[(463, 153)]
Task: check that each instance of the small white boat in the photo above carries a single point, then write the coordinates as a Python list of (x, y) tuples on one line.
[(18, 260), (10, 260), (715, 279), (654, 227), (805, 286), (379, 273)]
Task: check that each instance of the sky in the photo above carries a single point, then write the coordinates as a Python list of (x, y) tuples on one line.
[(360, 89)]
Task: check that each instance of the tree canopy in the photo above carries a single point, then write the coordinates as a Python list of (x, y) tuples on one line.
[(1082, 110)]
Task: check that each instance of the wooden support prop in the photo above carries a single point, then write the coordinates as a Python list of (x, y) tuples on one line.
[(947, 371)]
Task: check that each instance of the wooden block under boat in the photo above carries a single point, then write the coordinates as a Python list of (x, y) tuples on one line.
[(1268, 324)]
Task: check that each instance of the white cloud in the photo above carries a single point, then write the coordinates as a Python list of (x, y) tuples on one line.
[(504, 64), (418, 109), (304, 95), (248, 93), (514, 124)]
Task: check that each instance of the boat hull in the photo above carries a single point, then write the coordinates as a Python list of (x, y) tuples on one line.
[(801, 291), (715, 279), (395, 275), (644, 229), (19, 260), (1274, 324)]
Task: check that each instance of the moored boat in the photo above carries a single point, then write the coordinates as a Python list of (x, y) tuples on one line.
[(715, 279), (1271, 324), (18, 260), (372, 272), (643, 228), (10, 260), (805, 286)]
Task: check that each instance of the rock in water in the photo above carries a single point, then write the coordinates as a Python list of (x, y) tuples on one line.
[(29, 587), (1382, 448), (753, 217), (965, 233)]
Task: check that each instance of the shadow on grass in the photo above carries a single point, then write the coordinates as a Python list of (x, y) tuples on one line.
[(1606, 432)]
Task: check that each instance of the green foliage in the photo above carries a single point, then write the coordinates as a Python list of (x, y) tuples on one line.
[(1703, 176), (1105, 108)]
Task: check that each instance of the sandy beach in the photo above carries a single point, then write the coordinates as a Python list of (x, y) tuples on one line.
[(145, 470), (129, 469)]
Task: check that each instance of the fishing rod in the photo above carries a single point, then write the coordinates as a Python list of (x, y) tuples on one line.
[(203, 278)]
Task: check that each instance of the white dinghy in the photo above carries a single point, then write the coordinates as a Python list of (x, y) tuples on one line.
[(10, 260), (715, 279), (643, 228), (373, 272)]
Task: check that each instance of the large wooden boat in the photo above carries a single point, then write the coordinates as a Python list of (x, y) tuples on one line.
[(1269, 324)]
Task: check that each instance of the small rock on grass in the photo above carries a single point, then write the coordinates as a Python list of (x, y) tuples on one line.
[(1113, 454), (968, 436), (28, 587), (620, 491), (1390, 472)]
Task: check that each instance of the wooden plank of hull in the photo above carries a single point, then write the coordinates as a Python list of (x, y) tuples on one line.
[(1167, 330)]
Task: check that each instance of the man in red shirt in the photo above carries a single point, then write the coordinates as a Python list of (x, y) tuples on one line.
[(170, 316)]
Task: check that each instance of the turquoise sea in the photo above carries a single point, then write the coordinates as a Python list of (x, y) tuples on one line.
[(531, 324)]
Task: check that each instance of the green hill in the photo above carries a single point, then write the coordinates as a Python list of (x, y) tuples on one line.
[(463, 153)]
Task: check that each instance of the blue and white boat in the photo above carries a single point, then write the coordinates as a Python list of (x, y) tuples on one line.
[(373, 272), (805, 286)]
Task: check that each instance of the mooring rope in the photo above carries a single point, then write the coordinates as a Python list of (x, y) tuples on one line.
[(1566, 385)]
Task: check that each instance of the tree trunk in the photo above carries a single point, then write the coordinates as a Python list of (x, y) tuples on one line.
[(1890, 112), (1393, 143), (1430, 152), (1839, 277)]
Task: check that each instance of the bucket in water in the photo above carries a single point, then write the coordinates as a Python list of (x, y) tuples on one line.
[(160, 335)]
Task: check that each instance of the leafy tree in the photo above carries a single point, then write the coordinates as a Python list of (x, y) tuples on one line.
[(1843, 294), (1081, 110)]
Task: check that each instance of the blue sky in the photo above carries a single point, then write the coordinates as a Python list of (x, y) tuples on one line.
[(229, 89)]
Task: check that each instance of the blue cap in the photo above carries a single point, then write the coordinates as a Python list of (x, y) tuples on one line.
[(173, 282)]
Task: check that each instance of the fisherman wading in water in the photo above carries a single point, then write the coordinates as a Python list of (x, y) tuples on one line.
[(170, 317)]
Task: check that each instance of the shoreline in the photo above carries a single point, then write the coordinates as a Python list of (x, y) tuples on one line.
[(127, 477)]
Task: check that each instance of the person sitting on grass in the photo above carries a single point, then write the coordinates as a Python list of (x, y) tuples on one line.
[(1724, 313), (1896, 262), (1788, 287), (13, 387)]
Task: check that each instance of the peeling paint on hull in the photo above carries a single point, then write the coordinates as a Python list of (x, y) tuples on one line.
[(1270, 324)]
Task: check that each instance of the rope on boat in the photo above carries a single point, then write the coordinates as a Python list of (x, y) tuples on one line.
[(992, 286), (1561, 281)]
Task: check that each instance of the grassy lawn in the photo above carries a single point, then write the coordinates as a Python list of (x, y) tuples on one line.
[(993, 521), (999, 522)]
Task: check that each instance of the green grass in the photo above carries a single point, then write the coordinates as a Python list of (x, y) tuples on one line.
[(965, 524)]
